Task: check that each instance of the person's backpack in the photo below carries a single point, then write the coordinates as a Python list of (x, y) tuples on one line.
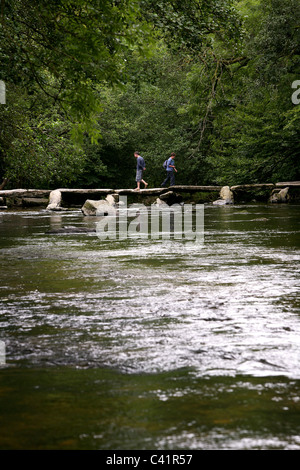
[(165, 164)]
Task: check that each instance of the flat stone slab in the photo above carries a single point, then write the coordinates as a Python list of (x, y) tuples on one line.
[(288, 184), (27, 193), (158, 191), (146, 192), (246, 187), (86, 191), (190, 189)]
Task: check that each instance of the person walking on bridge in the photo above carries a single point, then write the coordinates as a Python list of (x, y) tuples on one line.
[(140, 167), (170, 167)]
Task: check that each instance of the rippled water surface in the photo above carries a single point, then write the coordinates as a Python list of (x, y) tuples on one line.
[(151, 344)]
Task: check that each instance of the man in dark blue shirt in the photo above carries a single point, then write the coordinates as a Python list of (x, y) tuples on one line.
[(170, 171), (140, 167)]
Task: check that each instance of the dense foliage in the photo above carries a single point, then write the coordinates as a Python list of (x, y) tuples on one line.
[(90, 81)]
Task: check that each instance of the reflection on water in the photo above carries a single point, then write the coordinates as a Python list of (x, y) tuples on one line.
[(148, 344)]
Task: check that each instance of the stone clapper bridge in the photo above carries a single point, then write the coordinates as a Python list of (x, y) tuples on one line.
[(90, 199)]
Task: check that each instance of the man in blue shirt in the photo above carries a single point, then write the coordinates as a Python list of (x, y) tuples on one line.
[(140, 167), (170, 170)]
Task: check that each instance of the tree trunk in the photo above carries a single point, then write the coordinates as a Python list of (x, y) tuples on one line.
[(2, 185)]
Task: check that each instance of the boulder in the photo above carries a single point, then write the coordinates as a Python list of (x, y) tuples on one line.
[(226, 197), (294, 190), (171, 198), (279, 196), (121, 204), (54, 201), (220, 202), (160, 203), (112, 199), (97, 208)]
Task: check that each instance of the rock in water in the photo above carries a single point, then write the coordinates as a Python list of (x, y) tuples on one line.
[(112, 199), (171, 198), (226, 197), (97, 208), (159, 203), (280, 196), (54, 201)]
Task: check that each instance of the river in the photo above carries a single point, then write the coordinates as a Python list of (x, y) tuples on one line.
[(151, 343)]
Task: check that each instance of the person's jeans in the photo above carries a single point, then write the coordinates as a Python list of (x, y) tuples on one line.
[(171, 177)]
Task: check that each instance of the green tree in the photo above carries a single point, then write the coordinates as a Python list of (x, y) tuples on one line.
[(247, 123), (35, 145), (66, 47), (191, 24), (53, 55), (266, 147)]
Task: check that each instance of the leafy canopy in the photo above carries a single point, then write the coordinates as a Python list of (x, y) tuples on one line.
[(66, 47)]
